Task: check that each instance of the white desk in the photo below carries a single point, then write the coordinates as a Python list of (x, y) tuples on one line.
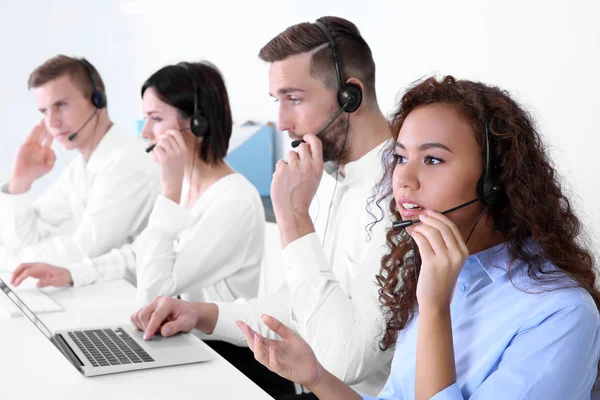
[(32, 368)]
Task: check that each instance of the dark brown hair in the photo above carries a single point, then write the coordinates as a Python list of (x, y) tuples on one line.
[(354, 53), (62, 65), (533, 207), (173, 85)]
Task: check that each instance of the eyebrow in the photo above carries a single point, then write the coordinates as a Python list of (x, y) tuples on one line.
[(55, 103), (427, 146), (287, 90)]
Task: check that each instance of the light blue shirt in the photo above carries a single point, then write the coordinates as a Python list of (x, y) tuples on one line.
[(509, 344)]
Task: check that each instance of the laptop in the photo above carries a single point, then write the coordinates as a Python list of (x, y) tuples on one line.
[(113, 349)]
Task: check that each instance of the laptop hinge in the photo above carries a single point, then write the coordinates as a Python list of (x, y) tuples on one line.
[(64, 347)]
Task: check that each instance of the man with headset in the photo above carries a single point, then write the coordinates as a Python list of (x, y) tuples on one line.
[(101, 200), (323, 76)]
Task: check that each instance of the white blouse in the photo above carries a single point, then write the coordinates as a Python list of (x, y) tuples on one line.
[(211, 252)]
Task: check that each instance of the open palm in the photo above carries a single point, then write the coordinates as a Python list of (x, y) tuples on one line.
[(35, 158), (292, 358)]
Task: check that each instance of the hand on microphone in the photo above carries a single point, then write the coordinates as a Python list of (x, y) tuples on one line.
[(294, 185), (35, 158), (443, 253), (171, 153)]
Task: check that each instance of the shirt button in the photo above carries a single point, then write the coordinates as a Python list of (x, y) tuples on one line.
[(463, 288)]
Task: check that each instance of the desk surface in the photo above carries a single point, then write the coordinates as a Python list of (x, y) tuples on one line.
[(32, 368)]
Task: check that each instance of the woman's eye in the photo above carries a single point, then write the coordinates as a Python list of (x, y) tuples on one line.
[(399, 159), (432, 160)]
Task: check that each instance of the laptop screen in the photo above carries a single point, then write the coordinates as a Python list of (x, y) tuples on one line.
[(25, 310)]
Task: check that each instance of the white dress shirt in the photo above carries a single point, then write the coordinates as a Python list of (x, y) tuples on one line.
[(211, 252), (331, 298), (93, 206)]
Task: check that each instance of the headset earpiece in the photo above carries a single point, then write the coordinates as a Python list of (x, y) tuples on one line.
[(98, 97), (198, 123), (352, 95), (489, 187), (348, 93)]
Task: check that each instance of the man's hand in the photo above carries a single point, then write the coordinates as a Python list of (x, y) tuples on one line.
[(294, 185), (48, 275), (34, 159)]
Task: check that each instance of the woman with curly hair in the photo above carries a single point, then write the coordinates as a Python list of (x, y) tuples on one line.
[(494, 300)]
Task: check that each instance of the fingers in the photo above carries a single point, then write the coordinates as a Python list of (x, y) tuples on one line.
[(166, 144), (18, 271), (50, 157), (248, 334), (316, 148), (31, 270), (433, 237), (156, 320), (47, 139), (425, 249), (304, 152), (280, 165), (37, 133), (140, 319), (178, 139), (276, 326), (261, 351), (293, 158), (160, 152), (451, 225), (171, 328)]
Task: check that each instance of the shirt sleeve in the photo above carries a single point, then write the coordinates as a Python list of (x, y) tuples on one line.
[(556, 357), (119, 204), (322, 309), (117, 264), (276, 304), (216, 245), (25, 222)]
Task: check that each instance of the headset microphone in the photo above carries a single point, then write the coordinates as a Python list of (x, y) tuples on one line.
[(399, 225), (152, 146), (296, 143), (74, 134)]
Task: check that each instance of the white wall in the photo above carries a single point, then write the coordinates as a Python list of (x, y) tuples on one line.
[(546, 53)]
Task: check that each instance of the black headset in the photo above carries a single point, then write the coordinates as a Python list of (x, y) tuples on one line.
[(489, 187), (349, 95), (199, 124), (98, 96)]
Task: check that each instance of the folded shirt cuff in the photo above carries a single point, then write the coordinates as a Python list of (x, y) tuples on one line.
[(14, 204), (303, 258), (169, 217), (82, 273), (226, 329), (452, 392)]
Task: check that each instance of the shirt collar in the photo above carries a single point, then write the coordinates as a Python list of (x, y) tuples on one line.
[(364, 167), (496, 260), (108, 144)]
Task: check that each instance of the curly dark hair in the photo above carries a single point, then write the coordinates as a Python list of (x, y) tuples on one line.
[(533, 206)]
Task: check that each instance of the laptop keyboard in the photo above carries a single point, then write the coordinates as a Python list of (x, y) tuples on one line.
[(104, 347)]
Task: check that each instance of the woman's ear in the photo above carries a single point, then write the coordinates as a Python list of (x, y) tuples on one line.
[(185, 124)]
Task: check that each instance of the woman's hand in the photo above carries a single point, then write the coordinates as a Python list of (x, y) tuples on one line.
[(292, 358), (443, 254), (171, 153)]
